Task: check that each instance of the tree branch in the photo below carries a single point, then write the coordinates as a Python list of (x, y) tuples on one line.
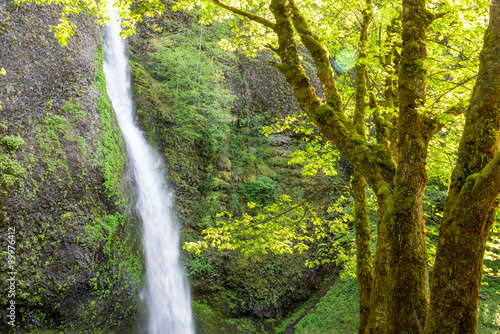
[(451, 89), (487, 185), (376, 165), (431, 16), (436, 124), (319, 54), (248, 15), (307, 200)]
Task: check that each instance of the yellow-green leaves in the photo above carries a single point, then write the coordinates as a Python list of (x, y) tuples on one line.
[(63, 31), (131, 12), (282, 227), (315, 153)]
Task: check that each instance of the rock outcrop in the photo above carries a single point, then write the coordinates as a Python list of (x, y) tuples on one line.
[(78, 259)]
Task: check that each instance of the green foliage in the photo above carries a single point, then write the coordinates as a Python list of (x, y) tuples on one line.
[(489, 302), (73, 108), (105, 227), (192, 83), (442, 151), (316, 154), (12, 143), (262, 191), (130, 12), (337, 311), (281, 228), (435, 196), (111, 154), (198, 266), (210, 318), (10, 170), (50, 132)]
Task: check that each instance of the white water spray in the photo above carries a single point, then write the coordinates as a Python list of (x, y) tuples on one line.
[(169, 301)]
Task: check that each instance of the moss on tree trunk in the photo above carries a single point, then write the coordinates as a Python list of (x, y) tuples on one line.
[(472, 200), (364, 263)]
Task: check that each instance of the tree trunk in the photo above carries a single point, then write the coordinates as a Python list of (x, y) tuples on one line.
[(409, 284), (364, 262), (472, 200), (377, 323), (364, 265)]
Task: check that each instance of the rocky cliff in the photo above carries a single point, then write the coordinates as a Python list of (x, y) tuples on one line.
[(75, 255)]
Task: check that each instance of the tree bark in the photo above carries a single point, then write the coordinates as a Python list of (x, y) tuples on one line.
[(400, 297), (472, 199), (409, 283), (364, 262), (374, 162), (377, 322)]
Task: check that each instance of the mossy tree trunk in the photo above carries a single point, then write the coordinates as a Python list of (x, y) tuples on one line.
[(409, 283), (364, 262), (472, 199), (377, 322)]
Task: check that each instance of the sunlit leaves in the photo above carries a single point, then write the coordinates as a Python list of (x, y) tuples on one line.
[(131, 12), (442, 150), (63, 31), (248, 36), (315, 153), (279, 228), (454, 44)]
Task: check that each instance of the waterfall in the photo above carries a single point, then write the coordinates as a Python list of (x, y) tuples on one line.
[(169, 305)]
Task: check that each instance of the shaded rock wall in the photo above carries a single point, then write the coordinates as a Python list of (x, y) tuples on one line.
[(78, 259)]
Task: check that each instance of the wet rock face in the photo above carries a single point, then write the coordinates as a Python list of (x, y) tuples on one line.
[(60, 186), (260, 89)]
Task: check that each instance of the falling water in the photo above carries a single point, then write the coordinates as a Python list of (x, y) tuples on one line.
[(168, 291)]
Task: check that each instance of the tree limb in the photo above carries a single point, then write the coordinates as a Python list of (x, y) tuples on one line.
[(319, 54), (248, 15), (377, 166), (436, 124), (487, 185), (307, 200)]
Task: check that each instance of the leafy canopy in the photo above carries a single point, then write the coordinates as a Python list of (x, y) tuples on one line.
[(131, 12), (454, 43)]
